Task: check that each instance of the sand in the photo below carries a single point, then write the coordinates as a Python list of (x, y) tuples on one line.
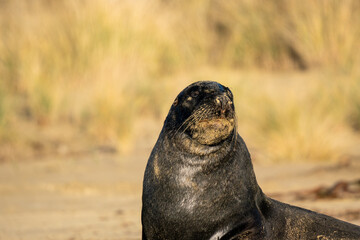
[(97, 194)]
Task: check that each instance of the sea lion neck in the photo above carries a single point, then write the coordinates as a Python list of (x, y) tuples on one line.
[(188, 186), (185, 144)]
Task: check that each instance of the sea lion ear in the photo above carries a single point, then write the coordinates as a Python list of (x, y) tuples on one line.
[(175, 102)]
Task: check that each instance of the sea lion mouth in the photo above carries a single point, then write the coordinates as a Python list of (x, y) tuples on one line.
[(220, 124), (212, 131)]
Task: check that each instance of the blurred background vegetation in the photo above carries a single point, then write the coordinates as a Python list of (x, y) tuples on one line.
[(101, 70)]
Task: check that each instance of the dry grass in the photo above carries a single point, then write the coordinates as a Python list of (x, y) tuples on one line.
[(300, 120), (100, 66)]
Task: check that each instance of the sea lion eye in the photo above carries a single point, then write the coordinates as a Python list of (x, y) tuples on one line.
[(175, 102), (195, 94)]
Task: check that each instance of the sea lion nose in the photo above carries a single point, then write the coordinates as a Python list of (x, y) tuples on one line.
[(223, 104)]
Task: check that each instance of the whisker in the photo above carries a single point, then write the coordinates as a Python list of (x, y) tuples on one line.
[(197, 116)]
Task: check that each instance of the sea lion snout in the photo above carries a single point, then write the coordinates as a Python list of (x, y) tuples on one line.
[(223, 105), (216, 122)]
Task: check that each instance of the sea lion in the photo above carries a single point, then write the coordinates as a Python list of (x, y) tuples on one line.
[(199, 181)]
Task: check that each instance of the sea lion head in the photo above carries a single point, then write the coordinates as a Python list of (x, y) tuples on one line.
[(204, 112)]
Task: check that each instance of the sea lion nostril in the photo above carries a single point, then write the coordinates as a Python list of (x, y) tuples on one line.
[(218, 102), (223, 104)]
